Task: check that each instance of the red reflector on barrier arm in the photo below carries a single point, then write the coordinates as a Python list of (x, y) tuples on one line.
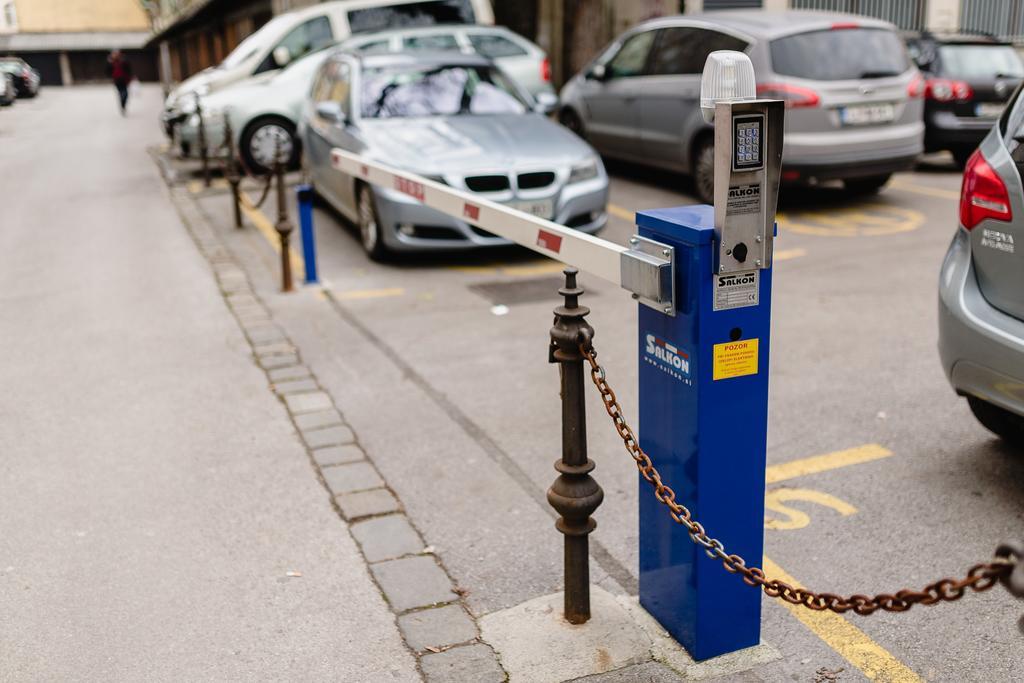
[(411, 188), (365, 170), (471, 212), (549, 241)]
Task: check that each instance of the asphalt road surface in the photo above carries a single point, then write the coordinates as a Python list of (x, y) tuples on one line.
[(459, 408)]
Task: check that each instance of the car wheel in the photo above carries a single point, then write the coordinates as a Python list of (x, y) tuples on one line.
[(572, 121), (704, 170), (369, 225), (1003, 423), (961, 155), (259, 143), (868, 185)]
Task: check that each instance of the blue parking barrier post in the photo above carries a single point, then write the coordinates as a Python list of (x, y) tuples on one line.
[(304, 194), (703, 375)]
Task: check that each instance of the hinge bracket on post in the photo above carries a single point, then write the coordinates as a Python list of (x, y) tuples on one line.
[(648, 270)]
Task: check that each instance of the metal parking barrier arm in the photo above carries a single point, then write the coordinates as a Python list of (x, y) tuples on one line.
[(645, 268)]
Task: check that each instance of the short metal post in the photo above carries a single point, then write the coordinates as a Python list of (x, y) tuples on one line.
[(575, 495), (234, 176), (283, 225), (203, 152), (304, 194)]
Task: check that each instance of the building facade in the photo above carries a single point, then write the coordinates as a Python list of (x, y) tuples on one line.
[(194, 34), (68, 41)]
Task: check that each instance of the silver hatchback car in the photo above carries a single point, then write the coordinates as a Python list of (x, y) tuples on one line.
[(981, 285), (456, 119), (853, 96)]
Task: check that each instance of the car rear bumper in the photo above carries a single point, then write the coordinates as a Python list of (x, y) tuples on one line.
[(853, 153), (943, 129), (582, 208), (981, 348)]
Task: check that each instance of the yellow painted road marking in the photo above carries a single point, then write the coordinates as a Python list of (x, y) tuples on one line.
[(197, 186), (869, 220), (823, 463), (850, 642), (621, 212), (787, 254), (263, 224), (924, 189), (798, 519), (354, 294)]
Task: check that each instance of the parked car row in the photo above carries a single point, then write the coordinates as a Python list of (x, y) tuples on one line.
[(17, 79)]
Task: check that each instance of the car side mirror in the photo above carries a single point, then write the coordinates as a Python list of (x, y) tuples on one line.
[(546, 102), (598, 72), (282, 55), (331, 111)]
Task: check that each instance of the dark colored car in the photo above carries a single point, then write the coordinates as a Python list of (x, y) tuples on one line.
[(968, 79), (26, 79)]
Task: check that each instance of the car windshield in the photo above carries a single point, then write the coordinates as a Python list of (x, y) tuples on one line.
[(980, 62), (248, 47), (441, 90), (402, 15), (840, 54)]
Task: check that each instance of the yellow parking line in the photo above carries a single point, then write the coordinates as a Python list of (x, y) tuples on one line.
[(354, 294), (823, 463), (621, 212), (787, 254), (855, 646), (924, 189), (263, 224)]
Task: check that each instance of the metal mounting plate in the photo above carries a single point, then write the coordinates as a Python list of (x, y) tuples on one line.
[(649, 271)]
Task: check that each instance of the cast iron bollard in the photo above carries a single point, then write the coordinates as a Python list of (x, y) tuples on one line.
[(575, 494), (203, 152), (283, 225), (233, 174)]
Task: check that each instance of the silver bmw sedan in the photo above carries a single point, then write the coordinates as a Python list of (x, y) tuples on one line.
[(455, 119)]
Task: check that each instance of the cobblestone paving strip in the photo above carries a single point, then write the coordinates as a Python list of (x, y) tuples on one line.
[(429, 610)]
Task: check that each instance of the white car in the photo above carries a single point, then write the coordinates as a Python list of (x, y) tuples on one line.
[(524, 61), (263, 115), (289, 36)]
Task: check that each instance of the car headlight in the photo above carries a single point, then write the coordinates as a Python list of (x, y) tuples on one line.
[(584, 170)]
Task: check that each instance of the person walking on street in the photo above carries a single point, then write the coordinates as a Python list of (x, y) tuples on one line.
[(121, 72)]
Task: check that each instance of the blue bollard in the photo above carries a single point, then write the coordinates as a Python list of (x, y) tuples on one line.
[(703, 421), (304, 194)]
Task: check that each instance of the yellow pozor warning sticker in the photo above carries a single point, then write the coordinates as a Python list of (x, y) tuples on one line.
[(735, 359)]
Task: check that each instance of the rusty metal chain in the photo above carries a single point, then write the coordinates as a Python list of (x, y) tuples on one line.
[(264, 193), (980, 577)]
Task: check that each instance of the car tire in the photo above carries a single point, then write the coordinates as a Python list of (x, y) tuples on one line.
[(961, 155), (571, 120), (868, 185), (253, 145), (1000, 422), (704, 169), (369, 224)]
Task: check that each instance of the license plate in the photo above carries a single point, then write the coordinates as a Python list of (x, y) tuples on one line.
[(863, 114), (542, 208), (988, 110)]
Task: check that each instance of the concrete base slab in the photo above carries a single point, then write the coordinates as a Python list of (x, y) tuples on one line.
[(536, 644)]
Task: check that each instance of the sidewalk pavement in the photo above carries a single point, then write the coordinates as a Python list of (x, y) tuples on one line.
[(159, 517)]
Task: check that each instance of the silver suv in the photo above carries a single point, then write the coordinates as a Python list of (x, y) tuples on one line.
[(981, 286), (853, 96)]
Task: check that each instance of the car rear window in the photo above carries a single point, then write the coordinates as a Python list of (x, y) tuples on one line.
[(980, 62), (494, 46), (405, 15), (840, 54)]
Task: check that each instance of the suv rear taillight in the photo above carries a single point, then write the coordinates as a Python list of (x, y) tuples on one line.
[(983, 194), (916, 87), (946, 90), (545, 70), (793, 95)]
